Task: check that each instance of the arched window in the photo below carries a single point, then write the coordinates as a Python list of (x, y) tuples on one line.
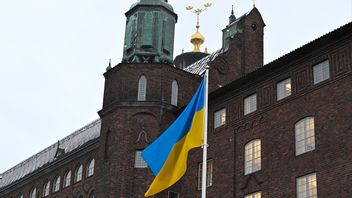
[(67, 179), (78, 173), (46, 189), (304, 135), (33, 193), (20, 195), (92, 194), (56, 184), (252, 157), (90, 169), (174, 93), (142, 88)]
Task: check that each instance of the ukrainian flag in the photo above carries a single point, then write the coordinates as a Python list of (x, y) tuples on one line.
[(167, 155)]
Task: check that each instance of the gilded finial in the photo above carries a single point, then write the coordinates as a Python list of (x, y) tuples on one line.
[(197, 38), (206, 50)]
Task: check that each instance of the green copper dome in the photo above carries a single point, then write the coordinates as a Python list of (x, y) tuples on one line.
[(149, 35)]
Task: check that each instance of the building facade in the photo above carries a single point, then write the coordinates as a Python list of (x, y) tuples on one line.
[(277, 130)]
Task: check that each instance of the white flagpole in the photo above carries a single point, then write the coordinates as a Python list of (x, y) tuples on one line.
[(205, 135)]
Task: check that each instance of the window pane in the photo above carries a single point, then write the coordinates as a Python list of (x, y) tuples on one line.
[(304, 135), (252, 157), (174, 93), (142, 88), (283, 89), (250, 104), (254, 195), (209, 174), (321, 72), (139, 161), (172, 194), (307, 186), (219, 118)]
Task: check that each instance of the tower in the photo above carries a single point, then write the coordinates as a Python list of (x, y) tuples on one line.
[(149, 35), (142, 96)]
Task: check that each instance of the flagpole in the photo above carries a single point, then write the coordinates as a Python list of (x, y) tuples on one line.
[(205, 135)]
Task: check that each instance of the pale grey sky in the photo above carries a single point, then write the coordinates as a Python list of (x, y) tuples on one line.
[(53, 54)]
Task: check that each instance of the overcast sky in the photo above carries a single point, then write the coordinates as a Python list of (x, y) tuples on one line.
[(53, 54)]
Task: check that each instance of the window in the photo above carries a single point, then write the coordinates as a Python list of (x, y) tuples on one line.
[(142, 88), (56, 184), (92, 194), (283, 89), (250, 104), (78, 174), (90, 170), (139, 161), (174, 93), (254, 195), (209, 174), (33, 193), (20, 195), (321, 72), (172, 194), (67, 179), (304, 135), (46, 189), (252, 157), (219, 118), (307, 186)]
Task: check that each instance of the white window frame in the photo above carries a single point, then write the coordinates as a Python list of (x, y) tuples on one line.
[(142, 88), (254, 195), (305, 135), (67, 179), (56, 184), (321, 72), (250, 104), (139, 161), (174, 93), (252, 157), (78, 173), (283, 89), (209, 174), (90, 167), (220, 118), (46, 189), (306, 186)]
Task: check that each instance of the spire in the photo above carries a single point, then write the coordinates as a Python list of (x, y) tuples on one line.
[(197, 38), (232, 17)]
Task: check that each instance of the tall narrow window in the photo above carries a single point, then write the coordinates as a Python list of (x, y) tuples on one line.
[(254, 195), (321, 72), (307, 186), (139, 161), (219, 118), (20, 195), (250, 104), (304, 135), (174, 93), (252, 157), (90, 169), (33, 193), (283, 89), (67, 179), (142, 88), (92, 194), (56, 184), (78, 173), (209, 179), (46, 189)]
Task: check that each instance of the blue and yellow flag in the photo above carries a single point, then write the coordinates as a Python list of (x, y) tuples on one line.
[(167, 155)]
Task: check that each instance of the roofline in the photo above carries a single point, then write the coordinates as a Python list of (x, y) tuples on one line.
[(333, 36)]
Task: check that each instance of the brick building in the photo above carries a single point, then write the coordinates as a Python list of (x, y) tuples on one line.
[(276, 130)]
